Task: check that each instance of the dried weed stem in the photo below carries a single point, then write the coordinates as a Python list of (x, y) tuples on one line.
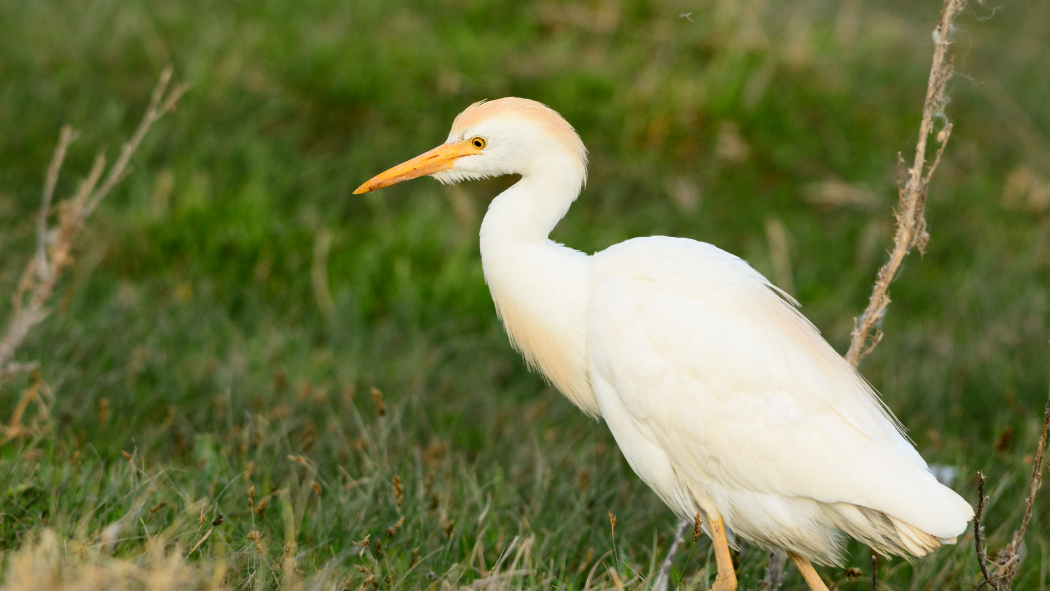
[(663, 578), (912, 185), (37, 282), (1007, 560), (774, 572)]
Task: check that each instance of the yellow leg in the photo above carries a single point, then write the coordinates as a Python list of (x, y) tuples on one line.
[(726, 579), (809, 574)]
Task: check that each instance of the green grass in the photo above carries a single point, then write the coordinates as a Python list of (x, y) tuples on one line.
[(189, 334)]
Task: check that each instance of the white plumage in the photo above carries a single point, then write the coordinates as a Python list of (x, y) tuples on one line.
[(724, 399)]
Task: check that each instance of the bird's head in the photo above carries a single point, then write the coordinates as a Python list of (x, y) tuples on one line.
[(505, 136)]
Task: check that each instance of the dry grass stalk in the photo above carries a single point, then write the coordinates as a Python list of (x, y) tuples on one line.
[(38, 393), (912, 185), (978, 531), (51, 258), (289, 570), (1008, 559), (319, 274), (49, 561), (16, 368), (780, 253)]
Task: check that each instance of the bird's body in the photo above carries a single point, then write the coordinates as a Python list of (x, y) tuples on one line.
[(724, 399)]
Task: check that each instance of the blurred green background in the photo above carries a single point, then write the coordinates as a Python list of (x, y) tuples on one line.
[(234, 306)]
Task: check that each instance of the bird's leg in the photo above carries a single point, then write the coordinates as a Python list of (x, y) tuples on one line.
[(726, 578), (809, 574)]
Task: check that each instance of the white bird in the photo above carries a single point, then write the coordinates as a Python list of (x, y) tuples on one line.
[(722, 396)]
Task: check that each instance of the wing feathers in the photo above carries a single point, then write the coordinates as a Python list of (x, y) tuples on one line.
[(743, 393)]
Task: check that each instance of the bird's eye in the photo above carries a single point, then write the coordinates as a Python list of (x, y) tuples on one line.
[(478, 142)]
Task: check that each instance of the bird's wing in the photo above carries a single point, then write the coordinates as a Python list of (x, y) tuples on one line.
[(737, 387)]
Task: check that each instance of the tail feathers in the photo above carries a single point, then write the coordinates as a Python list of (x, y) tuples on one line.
[(885, 534), (918, 542)]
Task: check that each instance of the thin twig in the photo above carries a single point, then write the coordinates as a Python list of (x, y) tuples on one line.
[(38, 280), (67, 136), (978, 535), (775, 572), (1009, 558), (1037, 476), (33, 312), (874, 573), (663, 578), (912, 188), (200, 542), (1007, 561), (158, 106)]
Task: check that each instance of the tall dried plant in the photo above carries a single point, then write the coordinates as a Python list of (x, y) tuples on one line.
[(1004, 566), (912, 186), (54, 244)]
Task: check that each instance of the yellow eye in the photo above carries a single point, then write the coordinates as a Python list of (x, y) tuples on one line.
[(478, 142)]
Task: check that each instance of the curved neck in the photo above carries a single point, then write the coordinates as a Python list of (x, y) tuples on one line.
[(528, 211)]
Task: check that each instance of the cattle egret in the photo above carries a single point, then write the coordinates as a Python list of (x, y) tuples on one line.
[(722, 396)]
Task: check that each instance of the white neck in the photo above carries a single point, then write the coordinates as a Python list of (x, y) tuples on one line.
[(529, 210), (541, 289)]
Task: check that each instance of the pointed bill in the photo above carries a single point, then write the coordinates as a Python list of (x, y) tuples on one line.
[(439, 159)]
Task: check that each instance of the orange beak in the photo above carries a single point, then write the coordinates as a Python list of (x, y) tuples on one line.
[(436, 160)]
